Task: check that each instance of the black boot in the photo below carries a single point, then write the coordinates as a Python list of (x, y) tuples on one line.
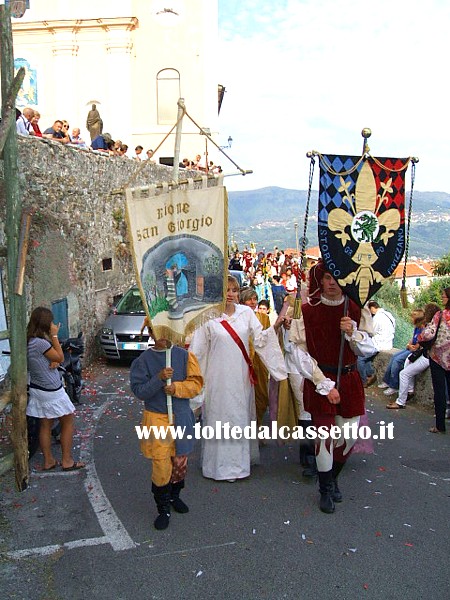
[(162, 499), (310, 471), (303, 451), (326, 490), (178, 505), (304, 444), (337, 468)]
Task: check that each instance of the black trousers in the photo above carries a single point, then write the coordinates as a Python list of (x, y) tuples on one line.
[(441, 388)]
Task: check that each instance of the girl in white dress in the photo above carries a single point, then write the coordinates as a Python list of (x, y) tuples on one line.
[(229, 392)]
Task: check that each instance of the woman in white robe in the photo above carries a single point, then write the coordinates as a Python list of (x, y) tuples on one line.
[(229, 393)]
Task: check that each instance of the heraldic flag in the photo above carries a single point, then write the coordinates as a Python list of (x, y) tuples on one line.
[(178, 240), (361, 220)]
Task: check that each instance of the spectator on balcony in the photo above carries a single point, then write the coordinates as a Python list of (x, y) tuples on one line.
[(103, 143), (56, 133), (35, 124), (23, 123), (122, 151), (76, 138), (137, 152)]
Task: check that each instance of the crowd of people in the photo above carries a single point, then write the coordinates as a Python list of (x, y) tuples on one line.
[(307, 368), (274, 275), (288, 351), (301, 367), (27, 124)]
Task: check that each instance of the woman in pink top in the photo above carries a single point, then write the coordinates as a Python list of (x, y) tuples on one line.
[(439, 355)]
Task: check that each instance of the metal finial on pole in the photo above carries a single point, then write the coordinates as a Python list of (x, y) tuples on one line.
[(366, 133)]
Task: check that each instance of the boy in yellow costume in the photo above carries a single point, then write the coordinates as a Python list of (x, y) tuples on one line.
[(149, 382)]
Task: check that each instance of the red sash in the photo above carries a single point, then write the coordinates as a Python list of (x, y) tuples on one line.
[(239, 342)]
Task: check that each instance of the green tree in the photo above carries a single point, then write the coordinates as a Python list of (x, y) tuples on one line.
[(442, 267), (432, 293)]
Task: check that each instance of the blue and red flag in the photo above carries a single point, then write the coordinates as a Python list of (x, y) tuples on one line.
[(361, 220)]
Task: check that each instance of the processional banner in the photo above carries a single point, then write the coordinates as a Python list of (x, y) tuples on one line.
[(361, 220), (178, 241)]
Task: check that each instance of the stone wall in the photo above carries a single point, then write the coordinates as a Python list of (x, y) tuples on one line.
[(78, 226), (423, 388)]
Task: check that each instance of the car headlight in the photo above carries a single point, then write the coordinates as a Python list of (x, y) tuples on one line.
[(107, 331)]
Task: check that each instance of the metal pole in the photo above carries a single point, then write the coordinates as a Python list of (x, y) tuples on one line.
[(341, 349), (176, 154), (17, 303)]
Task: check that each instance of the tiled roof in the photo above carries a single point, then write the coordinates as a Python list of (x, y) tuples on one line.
[(414, 269)]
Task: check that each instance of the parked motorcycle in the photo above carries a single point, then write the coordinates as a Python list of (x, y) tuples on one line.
[(70, 368)]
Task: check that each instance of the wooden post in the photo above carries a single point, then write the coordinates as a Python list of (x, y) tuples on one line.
[(9, 109), (22, 252), (17, 304)]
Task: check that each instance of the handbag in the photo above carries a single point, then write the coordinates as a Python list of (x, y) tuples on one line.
[(426, 344), (416, 354)]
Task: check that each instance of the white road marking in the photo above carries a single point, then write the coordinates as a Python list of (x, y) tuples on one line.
[(109, 522), (115, 532), (47, 550)]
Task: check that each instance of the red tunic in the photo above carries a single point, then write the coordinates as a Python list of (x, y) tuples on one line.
[(323, 340)]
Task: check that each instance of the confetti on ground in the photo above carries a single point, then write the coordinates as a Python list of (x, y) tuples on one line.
[(303, 536), (287, 522), (378, 533), (253, 531), (407, 525), (199, 574), (352, 549), (409, 544)]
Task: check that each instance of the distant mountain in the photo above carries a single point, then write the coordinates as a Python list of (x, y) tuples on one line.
[(267, 217)]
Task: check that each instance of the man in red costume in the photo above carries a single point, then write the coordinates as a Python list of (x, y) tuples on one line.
[(316, 339)]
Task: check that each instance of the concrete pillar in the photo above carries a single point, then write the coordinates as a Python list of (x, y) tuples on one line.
[(65, 50), (118, 103)]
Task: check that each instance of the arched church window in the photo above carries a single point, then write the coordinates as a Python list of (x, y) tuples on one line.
[(168, 93)]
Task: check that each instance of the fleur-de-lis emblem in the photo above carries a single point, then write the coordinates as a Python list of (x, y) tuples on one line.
[(365, 225)]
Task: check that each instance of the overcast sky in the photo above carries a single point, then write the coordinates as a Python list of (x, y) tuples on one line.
[(310, 74)]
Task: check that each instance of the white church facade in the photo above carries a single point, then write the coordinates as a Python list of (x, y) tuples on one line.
[(132, 58)]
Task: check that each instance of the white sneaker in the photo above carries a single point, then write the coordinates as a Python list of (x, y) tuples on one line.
[(383, 385), (390, 391)]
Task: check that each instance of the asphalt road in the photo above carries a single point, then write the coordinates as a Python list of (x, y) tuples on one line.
[(89, 534)]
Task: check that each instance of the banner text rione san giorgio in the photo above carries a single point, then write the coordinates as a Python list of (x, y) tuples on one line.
[(173, 218)]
